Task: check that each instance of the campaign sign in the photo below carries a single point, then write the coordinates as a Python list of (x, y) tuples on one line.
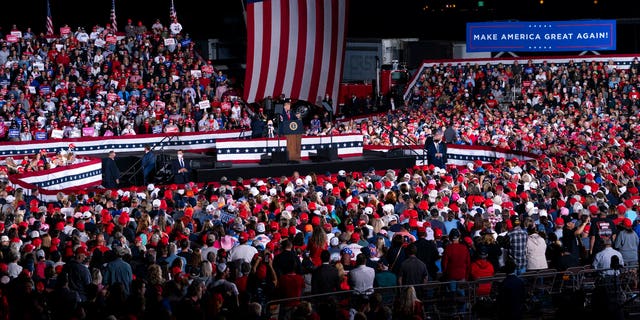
[(41, 135), (541, 36), (14, 133), (111, 39)]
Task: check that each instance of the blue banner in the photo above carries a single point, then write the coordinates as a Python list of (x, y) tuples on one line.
[(541, 36)]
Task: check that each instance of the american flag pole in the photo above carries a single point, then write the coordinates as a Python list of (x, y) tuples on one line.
[(114, 23), (49, 20), (173, 16), (244, 11)]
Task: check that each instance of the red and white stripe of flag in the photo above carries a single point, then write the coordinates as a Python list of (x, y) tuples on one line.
[(173, 16), (49, 20), (114, 21), (296, 48)]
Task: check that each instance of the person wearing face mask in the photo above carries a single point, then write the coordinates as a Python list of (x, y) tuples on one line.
[(436, 150), (181, 169)]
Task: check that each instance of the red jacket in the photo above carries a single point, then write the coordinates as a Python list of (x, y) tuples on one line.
[(482, 268), (456, 262)]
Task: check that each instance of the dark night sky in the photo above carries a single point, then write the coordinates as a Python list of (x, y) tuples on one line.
[(368, 18)]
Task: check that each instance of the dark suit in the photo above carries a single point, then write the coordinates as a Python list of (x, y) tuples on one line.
[(181, 178), (324, 279), (110, 173), (284, 119), (148, 166), (432, 148)]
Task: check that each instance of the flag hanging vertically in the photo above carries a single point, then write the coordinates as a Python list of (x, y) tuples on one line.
[(49, 20), (172, 13), (114, 21), (295, 48)]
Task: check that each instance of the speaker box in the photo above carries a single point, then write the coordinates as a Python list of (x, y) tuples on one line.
[(202, 164), (279, 157), (265, 158), (395, 153), (325, 154), (223, 164)]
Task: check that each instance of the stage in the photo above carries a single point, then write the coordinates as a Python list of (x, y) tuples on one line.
[(304, 167)]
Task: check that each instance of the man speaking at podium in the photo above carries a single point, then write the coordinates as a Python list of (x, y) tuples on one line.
[(286, 116), (291, 127)]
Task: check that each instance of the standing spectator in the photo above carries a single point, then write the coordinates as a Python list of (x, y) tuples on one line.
[(482, 268), (602, 229), (361, 277), (627, 243), (518, 245), (407, 305), (148, 165), (325, 278), (536, 251), (317, 243), (119, 271), (78, 274), (570, 253), (243, 251), (512, 294), (290, 285), (456, 260), (427, 250), (412, 271), (287, 260)]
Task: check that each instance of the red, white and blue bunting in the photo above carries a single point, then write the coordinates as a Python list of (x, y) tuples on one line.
[(194, 142), (249, 151), (460, 155), (84, 174)]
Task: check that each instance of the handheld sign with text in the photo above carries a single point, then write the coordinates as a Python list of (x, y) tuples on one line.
[(65, 31), (88, 132), (207, 69), (14, 133), (11, 38), (41, 135), (111, 39), (204, 104), (56, 134), (172, 129), (169, 41), (17, 33)]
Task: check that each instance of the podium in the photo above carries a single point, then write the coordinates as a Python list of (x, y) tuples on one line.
[(293, 130)]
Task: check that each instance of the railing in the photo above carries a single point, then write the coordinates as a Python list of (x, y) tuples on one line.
[(479, 298)]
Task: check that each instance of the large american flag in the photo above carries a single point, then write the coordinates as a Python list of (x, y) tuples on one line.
[(49, 20), (295, 48), (114, 21)]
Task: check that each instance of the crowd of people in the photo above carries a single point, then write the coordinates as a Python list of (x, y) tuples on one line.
[(226, 248), (101, 83)]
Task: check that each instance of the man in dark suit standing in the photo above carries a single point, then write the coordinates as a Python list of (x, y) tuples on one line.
[(110, 171), (436, 150), (286, 116), (181, 169), (325, 278)]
